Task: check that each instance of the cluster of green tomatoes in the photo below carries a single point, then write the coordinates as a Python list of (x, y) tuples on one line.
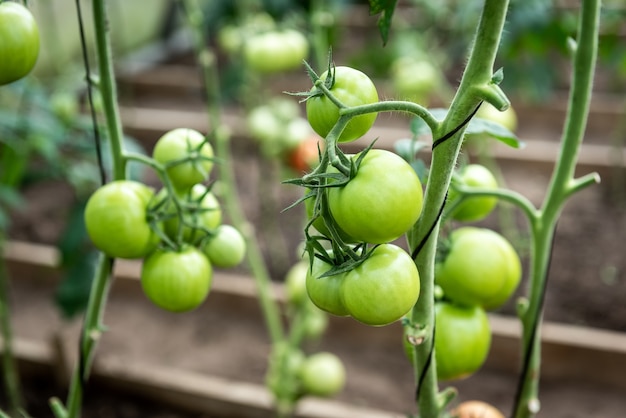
[(178, 231), (356, 211)]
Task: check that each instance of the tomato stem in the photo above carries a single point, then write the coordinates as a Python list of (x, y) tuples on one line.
[(478, 72), (562, 185)]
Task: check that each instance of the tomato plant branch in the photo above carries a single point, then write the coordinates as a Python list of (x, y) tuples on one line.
[(478, 72), (227, 175), (92, 327), (108, 88), (561, 186), (394, 106)]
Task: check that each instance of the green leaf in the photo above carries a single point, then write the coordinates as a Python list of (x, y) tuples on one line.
[(386, 9), (486, 127), (419, 127), (408, 148), (498, 76)]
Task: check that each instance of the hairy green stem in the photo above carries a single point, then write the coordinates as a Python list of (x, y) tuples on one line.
[(9, 368), (226, 170), (108, 88), (92, 327), (477, 74), (562, 185)]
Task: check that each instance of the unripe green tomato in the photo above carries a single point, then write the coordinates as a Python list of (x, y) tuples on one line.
[(116, 219), (481, 268), (381, 202), (295, 283), (203, 212), (319, 224), (179, 144), (462, 340), (507, 118), (315, 322), (227, 248), (177, 281), (19, 42), (322, 374), (276, 51), (474, 208), (383, 288), (414, 79), (325, 292), (352, 88)]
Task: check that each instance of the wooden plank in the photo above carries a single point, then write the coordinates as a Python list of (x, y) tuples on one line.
[(569, 351)]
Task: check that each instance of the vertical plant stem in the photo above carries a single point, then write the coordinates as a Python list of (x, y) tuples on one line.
[(92, 329), (478, 73), (11, 376), (92, 326), (562, 185), (226, 169)]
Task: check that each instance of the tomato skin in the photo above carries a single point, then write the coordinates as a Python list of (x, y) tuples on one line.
[(208, 214), (352, 88), (481, 268), (507, 118), (275, 51), (177, 281), (381, 203), (414, 79), (180, 143), (295, 282), (474, 208), (227, 248), (476, 409), (19, 42), (383, 288), (325, 292), (116, 219), (462, 340), (322, 374)]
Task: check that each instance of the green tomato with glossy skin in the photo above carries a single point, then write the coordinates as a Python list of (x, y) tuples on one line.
[(179, 144), (322, 374), (474, 208), (227, 248), (381, 203), (177, 281), (481, 268), (116, 218), (352, 88), (383, 288), (462, 340), (276, 50), (325, 292), (19, 42)]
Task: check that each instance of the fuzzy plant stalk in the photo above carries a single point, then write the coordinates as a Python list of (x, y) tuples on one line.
[(93, 327), (208, 63), (477, 84), (562, 186)]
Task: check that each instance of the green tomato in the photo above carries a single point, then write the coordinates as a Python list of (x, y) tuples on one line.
[(322, 374), (383, 288), (414, 79), (276, 51), (381, 203), (19, 42), (295, 283), (507, 118), (179, 144), (227, 248), (315, 323), (352, 88), (116, 219), (325, 292), (462, 340), (481, 268), (201, 213), (320, 225), (177, 281), (474, 208)]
